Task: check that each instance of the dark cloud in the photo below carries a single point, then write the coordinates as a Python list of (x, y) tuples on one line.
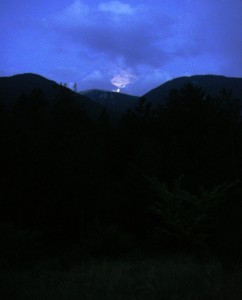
[(132, 35), (139, 42), (132, 38)]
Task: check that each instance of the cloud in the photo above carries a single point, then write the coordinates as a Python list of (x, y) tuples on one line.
[(72, 15), (116, 7), (93, 76), (123, 78), (98, 79), (155, 42), (76, 8), (131, 37)]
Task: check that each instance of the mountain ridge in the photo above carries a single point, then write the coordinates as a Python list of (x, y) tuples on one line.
[(115, 103), (211, 84), (12, 87)]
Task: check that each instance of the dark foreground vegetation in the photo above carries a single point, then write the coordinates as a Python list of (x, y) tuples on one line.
[(104, 210), (177, 277)]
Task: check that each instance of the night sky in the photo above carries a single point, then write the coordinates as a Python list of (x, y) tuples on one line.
[(133, 45)]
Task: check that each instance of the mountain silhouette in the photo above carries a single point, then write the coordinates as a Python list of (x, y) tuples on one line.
[(113, 102), (12, 87), (211, 84)]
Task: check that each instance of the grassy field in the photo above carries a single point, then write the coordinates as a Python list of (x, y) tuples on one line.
[(169, 278)]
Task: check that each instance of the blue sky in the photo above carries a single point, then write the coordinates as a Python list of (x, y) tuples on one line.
[(129, 45)]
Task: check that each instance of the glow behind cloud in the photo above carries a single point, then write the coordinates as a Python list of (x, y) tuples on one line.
[(122, 79), (91, 42)]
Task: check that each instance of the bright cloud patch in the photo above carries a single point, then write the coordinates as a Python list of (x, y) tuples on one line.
[(77, 8), (116, 7), (123, 78), (72, 14), (147, 38)]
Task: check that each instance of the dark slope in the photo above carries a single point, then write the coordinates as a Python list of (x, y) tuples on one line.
[(12, 87), (113, 102), (212, 84)]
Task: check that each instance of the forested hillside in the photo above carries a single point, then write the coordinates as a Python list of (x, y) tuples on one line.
[(165, 179)]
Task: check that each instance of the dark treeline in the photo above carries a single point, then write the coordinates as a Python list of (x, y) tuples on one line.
[(162, 178)]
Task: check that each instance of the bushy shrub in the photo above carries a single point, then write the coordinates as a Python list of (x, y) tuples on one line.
[(187, 217)]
